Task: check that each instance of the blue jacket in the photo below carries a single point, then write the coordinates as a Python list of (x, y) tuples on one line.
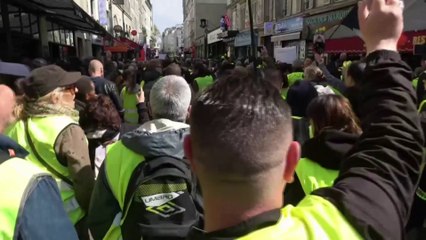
[(43, 215)]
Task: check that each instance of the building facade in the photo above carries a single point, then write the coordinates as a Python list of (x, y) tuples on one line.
[(172, 41), (195, 37), (288, 28), (58, 30)]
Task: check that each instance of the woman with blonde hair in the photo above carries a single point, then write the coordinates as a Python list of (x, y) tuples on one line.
[(336, 129), (48, 128)]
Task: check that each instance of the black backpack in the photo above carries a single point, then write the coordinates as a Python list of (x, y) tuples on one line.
[(161, 201)]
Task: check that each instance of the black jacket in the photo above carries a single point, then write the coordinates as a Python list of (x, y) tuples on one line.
[(328, 150), (415, 226), (353, 95), (108, 88), (379, 175)]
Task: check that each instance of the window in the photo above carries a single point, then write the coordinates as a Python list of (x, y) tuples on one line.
[(322, 2), (296, 7), (282, 8), (266, 11), (26, 27), (308, 4)]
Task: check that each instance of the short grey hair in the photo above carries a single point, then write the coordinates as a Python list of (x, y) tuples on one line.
[(170, 98)]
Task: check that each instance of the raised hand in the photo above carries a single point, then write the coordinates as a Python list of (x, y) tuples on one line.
[(381, 23)]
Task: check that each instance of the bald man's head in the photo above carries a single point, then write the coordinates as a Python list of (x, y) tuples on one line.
[(96, 68), (7, 104)]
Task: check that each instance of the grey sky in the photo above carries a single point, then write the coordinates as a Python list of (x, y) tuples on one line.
[(167, 13)]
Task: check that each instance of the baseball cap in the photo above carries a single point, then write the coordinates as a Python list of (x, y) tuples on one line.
[(14, 69), (45, 79)]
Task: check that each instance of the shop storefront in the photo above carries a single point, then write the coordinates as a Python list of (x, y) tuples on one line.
[(228, 38), (243, 44), (55, 30), (124, 49), (287, 40), (216, 47), (328, 25), (268, 31)]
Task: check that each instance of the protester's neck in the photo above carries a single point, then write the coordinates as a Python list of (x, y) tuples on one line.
[(227, 208), (96, 75)]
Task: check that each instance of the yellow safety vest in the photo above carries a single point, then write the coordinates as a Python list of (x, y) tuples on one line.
[(294, 77), (415, 82), (313, 176), (43, 132), (17, 177), (118, 176), (283, 93), (313, 218), (422, 106), (130, 100), (204, 82)]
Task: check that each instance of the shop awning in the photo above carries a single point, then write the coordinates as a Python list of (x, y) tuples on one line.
[(118, 49), (347, 45), (128, 43), (122, 45), (64, 12), (286, 37), (410, 39)]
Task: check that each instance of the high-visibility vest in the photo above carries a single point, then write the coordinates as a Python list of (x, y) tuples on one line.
[(114, 170), (313, 176), (283, 93), (43, 132), (17, 178), (422, 106), (294, 77), (130, 100), (415, 82), (313, 218), (204, 82)]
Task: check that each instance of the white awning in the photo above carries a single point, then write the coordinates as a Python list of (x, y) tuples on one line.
[(286, 37)]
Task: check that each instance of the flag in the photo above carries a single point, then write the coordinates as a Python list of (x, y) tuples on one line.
[(228, 21)]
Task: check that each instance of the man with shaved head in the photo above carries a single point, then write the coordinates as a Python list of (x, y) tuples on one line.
[(104, 86), (30, 206)]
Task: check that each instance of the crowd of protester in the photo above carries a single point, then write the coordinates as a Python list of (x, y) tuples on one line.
[(184, 149)]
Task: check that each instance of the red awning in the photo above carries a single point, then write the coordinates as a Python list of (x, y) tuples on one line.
[(129, 43), (347, 45), (117, 49), (356, 44), (409, 39)]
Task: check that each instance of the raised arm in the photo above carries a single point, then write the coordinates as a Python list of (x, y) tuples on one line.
[(378, 179)]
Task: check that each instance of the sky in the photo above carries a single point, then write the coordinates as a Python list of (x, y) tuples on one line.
[(167, 13)]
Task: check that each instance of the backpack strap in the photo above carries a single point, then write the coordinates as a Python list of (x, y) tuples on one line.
[(154, 168)]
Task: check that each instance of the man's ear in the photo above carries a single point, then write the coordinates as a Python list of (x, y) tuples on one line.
[(293, 156), (187, 148), (55, 98), (189, 113)]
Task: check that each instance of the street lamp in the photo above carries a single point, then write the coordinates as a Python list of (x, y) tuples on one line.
[(204, 25)]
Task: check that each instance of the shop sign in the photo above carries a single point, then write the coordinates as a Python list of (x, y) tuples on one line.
[(268, 28), (326, 20), (419, 43), (289, 25), (103, 18), (419, 40), (244, 39), (213, 37)]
